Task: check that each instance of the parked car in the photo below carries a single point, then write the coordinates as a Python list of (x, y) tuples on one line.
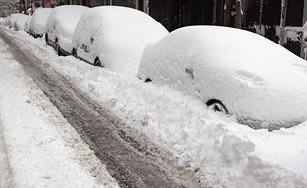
[(12, 18), (115, 37), (233, 71), (20, 22), (27, 24), (38, 22), (61, 25)]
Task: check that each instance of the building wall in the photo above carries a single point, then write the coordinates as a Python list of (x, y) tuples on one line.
[(179, 13)]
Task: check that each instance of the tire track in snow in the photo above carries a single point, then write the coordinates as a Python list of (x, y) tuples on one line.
[(5, 170), (123, 157)]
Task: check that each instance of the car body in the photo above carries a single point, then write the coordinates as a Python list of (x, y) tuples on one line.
[(20, 22), (234, 71), (115, 37), (38, 21), (61, 25)]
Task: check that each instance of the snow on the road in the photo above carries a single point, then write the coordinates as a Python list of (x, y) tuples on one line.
[(38, 147), (221, 152)]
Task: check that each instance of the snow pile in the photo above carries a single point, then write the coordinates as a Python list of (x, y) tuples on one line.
[(62, 22), (39, 20), (21, 21), (218, 151), (117, 36), (39, 145), (267, 91)]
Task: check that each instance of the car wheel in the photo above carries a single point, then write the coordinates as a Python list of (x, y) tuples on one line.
[(46, 39), (74, 53), (217, 105), (97, 62), (147, 80), (57, 48)]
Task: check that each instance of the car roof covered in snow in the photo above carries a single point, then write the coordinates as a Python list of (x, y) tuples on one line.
[(232, 50)]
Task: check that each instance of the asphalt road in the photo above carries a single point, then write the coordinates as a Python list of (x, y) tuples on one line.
[(126, 159)]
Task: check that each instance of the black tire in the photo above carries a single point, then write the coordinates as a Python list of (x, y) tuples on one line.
[(46, 39), (57, 48), (97, 62), (148, 80), (74, 53), (217, 106)]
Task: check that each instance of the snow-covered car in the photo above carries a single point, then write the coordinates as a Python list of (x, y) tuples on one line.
[(233, 71), (27, 24), (38, 22), (115, 37), (20, 22), (12, 18), (61, 25)]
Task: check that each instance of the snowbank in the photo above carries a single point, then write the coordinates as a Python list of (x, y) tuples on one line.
[(216, 150), (265, 91), (3, 21), (117, 36)]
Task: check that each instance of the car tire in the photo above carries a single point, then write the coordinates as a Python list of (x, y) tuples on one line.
[(97, 62), (217, 106), (46, 39), (74, 53), (148, 80), (57, 48)]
